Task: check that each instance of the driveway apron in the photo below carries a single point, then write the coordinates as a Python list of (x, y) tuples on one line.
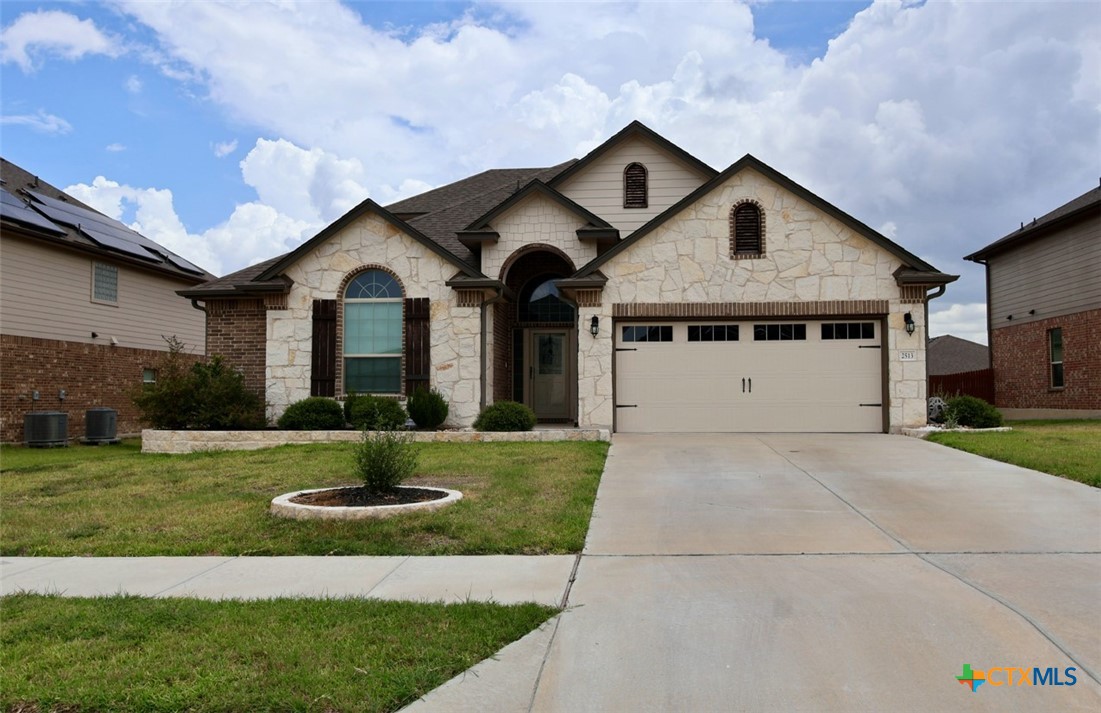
[(826, 572)]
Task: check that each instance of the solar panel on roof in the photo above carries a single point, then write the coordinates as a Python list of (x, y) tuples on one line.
[(123, 246), (72, 214), (14, 209), (184, 264)]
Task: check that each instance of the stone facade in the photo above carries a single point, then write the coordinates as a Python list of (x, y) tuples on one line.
[(540, 220), (809, 256), (1022, 367), (319, 274), (92, 375)]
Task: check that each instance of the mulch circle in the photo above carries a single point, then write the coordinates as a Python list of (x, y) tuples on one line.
[(360, 497)]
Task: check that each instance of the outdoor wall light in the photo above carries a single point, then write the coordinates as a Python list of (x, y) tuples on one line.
[(594, 326), (910, 326)]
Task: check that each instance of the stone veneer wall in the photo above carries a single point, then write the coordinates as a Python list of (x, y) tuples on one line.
[(370, 240), (1022, 365), (93, 375), (809, 256), (536, 220)]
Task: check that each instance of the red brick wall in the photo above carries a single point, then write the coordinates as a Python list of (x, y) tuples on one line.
[(1021, 363), (238, 331), (93, 375)]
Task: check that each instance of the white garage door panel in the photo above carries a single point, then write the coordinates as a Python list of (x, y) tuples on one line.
[(749, 386)]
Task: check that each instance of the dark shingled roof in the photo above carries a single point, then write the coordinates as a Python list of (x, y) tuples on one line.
[(443, 211), (951, 355), (228, 285), (1084, 206), (19, 183)]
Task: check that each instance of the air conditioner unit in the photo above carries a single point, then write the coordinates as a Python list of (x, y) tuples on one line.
[(46, 429), (101, 425)]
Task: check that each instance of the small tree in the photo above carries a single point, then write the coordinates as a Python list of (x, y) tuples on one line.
[(383, 459)]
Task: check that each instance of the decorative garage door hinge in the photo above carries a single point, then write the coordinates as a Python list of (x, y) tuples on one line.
[(626, 349), (876, 405), (626, 405), (870, 346)]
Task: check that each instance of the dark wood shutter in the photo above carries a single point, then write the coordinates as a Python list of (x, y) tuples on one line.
[(747, 229), (418, 338), (323, 362), (634, 186)]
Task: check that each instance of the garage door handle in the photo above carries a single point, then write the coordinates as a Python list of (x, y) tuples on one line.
[(751, 386), (743, 384)]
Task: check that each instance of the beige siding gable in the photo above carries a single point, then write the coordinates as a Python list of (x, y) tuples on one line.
[(599, 187), (1056, 275), (536, 219), (46, 292)]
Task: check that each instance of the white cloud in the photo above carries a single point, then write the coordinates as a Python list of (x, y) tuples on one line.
[(225, 148), (115, 148), (40, 122), (299, 193), (966, 321), (133, 84), (941, 122), (52, 32)]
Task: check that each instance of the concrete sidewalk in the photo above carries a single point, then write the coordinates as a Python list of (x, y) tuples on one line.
[(497, 578)]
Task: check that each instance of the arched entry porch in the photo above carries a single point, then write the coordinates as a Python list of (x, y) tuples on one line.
[(535, 336)]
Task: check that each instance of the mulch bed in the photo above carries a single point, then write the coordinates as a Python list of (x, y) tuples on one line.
[(360, 497)]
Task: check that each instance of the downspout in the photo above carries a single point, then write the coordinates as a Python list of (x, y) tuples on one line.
[(485, 340), (195, 304), (929, 298)]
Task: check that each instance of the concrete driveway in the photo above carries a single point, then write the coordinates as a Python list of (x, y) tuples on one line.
[(824, 573)]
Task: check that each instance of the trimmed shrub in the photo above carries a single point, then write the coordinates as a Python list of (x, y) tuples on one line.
[(375, 413), (428, 409), (316, 413), (383, 460), (972, 412), (209, 395), (506, 416)]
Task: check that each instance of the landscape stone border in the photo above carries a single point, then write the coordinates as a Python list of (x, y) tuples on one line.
[(283, 507), (157, 441)]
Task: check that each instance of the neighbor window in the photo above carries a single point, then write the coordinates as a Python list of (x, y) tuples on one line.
[(105, 283), (747, 230), (1055, 344), (779, 332), (372, 334), (634, 186), (149, 376)]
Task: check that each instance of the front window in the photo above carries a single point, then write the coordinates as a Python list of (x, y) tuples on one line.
[(372, 334), (1055, 344)]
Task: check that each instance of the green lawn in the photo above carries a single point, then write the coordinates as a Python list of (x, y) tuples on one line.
[(518, 498), (1069, 449), (135, 654)]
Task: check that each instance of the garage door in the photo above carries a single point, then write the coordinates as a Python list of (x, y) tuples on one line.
[(810, 376)]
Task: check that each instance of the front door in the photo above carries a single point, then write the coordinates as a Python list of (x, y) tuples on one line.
[(550, 361)]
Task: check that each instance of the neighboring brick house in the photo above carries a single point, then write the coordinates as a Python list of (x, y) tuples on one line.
[(84, 303), (1043, 286), (636, 288)]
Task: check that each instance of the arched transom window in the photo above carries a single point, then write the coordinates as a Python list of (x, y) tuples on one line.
[(372, 334), (634, 186)]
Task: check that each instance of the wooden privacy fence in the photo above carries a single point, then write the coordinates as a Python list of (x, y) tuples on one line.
[(968, 383)]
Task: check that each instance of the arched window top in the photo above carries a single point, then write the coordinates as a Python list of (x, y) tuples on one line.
[(635, 194), (747, 230), (372, 284)]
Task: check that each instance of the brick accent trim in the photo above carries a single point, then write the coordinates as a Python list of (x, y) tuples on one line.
[(238, 331), (588, 298), (734, 254), (534, 247), (913, 294), (348, 277), (733, 310)]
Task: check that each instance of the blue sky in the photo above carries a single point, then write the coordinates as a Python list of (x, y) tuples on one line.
[(233, 131)]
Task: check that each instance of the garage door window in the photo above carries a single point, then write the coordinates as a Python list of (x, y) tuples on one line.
[(848, 330), (779, 332), (712, 332), (648, 334)]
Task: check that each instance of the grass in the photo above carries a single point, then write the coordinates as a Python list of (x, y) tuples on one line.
[(518, 498), (137, 654), (1069, 449)]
